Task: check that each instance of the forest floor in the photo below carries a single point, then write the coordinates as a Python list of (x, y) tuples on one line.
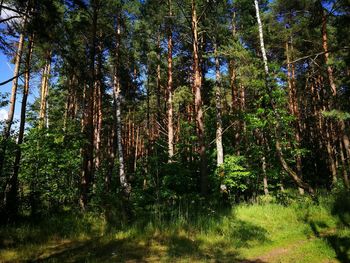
[(300, 232)]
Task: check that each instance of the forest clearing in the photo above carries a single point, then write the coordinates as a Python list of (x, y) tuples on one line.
[(267, 232), (174, 131)]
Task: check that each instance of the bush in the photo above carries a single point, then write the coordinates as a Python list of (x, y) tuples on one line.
[(235, 178)]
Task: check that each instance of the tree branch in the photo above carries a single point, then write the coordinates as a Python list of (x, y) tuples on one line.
[(9, 80)]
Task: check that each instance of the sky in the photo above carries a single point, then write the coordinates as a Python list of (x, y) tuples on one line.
[(6, 72)]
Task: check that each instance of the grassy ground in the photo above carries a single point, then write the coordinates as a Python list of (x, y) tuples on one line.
[(268, 232)]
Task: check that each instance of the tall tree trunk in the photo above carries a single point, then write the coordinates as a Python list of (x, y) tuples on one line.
[(44, 92), (158, 91), (294, 107), (331, 80), (88, 123), (117, 101), (266, 186), (283, 162), (11, 191), (8, 124), (98, 115), (326, 54), (344, 166), (170, 89), (197, 87), (218, 95)]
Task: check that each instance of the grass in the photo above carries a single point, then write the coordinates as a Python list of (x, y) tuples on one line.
[(300, 232)]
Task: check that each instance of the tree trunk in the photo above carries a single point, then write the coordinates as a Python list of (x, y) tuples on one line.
[(266, 186), (294, 108), (11, 112), (98, 115), (117, 101), (44, 92), (326, 54), (331, 80), (158, 91), (218, 95), (170, 90), (11, 191), (284, 164), (197, 87), (88, 123)]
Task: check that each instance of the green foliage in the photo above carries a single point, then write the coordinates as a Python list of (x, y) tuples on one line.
[(336, 114), (50, 169), (235, 175)]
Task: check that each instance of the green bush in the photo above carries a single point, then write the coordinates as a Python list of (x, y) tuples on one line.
[(235, 177)]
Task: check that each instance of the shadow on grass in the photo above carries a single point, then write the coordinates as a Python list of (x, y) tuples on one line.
[(176, 248), (205, 238), (341, 211), (41, 231), (147, 246), (341, 245)]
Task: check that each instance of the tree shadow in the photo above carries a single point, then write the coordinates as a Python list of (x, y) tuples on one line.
[(97, 250), (128, 250), (155, 245), (341, 245), (40, 232)]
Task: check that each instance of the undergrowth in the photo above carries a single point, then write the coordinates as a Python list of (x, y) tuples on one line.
[(302, 230)]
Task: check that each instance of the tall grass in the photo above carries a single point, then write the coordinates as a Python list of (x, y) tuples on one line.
[(303, 230)]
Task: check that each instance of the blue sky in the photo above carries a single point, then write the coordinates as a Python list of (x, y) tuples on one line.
[(6, 72)]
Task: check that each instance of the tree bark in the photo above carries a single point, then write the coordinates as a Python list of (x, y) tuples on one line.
[(218, 95), (126, 188), (170, 89), (197, 88), (158, 91), (44, 92), (294, 107), (266, 186), (98, 114), (8, 124), (11, 191), (283, 162), (88, 123)]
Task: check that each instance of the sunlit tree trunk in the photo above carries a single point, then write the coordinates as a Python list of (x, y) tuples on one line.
[(117, 101), (197, 87), (11, 111), (218, 95), (283, 162), (294, 107), (170, 89), (332, 84), (11, 191), (44, 92)]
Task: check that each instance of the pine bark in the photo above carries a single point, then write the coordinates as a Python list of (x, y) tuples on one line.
[(294, 106), (87, 122), (11, 111), (11, 191), (43, 118), (197, 88)]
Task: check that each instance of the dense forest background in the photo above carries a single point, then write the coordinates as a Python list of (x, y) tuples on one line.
[(153, 106)]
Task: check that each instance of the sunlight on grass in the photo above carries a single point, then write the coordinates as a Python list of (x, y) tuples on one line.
[(268, 232)]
